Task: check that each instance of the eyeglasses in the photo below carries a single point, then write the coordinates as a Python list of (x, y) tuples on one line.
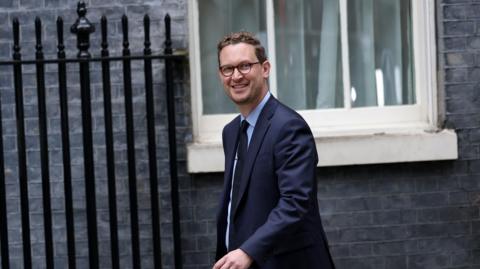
[(243, 68)]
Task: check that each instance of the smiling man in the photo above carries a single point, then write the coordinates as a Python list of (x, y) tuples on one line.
[(268, 216)]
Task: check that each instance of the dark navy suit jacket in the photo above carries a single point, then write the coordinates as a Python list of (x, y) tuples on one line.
[(276, 220)]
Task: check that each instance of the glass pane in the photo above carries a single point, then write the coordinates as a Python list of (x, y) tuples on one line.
[(308, 53), (380, 53), (218, 18)]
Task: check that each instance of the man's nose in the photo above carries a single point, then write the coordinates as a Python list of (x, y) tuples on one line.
[(237, 74)]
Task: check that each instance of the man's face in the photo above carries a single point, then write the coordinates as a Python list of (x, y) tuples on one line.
[(244, 89)]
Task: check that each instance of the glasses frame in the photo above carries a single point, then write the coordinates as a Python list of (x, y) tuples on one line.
[(221, 68)]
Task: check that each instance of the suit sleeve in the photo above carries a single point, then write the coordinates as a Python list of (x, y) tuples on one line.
[(295, 163)]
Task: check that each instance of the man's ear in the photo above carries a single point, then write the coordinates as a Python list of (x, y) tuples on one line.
[(266, 68)]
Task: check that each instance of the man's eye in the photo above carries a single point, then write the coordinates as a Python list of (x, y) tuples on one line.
[(244, 66), (227, 69)]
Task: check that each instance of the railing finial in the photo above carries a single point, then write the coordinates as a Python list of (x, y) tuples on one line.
[(81, 9), (82, 28), (168, 37)]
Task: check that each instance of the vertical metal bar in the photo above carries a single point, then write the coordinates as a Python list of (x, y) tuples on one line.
[(152, 153), (83, 28), (3, 204), (67, 174), (107, 105), (22, 157), (172, 141), (407, 79), (271, 45), (42, 118), (132, 178), (347, 86)]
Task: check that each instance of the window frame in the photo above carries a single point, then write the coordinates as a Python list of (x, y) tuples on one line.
[(338, 123)]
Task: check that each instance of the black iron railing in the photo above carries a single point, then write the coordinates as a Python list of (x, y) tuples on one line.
[(82, 28)]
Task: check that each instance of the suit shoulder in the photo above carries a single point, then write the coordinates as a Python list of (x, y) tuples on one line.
[(231, 125), (285, 114)]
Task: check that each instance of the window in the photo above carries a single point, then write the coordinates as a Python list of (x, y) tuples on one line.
[(349, 67)]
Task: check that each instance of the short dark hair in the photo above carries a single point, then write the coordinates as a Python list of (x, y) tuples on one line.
[(242, 37)]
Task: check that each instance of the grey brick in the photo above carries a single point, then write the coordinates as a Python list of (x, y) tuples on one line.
[(458, 198), (361, 234), (456, 74), (460, 59), (429, 200), (6, 4), (396, 262), (395, 248), (461, 258), (360, 263), (428, 261), (396, 202), (470, 182), (348, 220), (474, 74), (459, 28), (194, 228), (399, 232), (195, 258), (205, 213), (359, 250), (393, 186), (394, 217), (469, 153), (357, 204), (445, 214), (206, 243), (473, 11), (340, 250), (462, 91), (475, 166), (455, 12), (473, 42), (460, 121), (476, 257)]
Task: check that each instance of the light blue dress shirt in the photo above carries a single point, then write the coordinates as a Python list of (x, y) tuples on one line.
[(252, 120)]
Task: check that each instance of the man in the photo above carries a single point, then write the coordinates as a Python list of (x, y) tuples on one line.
[(268, 216)]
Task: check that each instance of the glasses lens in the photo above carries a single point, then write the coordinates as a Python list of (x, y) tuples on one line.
[(244, 68), (227, 70)]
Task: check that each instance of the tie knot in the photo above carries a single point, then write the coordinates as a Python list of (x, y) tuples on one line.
[(244, 126)]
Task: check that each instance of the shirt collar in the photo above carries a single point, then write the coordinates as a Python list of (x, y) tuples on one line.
[(253, 116)]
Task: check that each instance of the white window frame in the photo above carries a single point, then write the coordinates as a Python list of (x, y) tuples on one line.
[(389, 134)]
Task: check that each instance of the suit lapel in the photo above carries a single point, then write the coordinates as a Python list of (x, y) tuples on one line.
[(230, 144), (261, 128)]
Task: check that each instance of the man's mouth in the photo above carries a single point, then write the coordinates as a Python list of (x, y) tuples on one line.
[(239, 86)]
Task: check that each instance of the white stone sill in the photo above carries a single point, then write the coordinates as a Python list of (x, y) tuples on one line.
[(394, 147)]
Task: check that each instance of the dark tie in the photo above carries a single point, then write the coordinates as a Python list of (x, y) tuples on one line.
[(241, 154)]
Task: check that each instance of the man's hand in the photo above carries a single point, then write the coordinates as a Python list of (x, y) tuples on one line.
[(236, 259)]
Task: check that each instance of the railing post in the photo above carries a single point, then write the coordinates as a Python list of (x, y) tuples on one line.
[(83, 28), (67, 172), (110, 154), (172, 141), (21, 146), (130, 132), (42, 123), (152, 153)]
